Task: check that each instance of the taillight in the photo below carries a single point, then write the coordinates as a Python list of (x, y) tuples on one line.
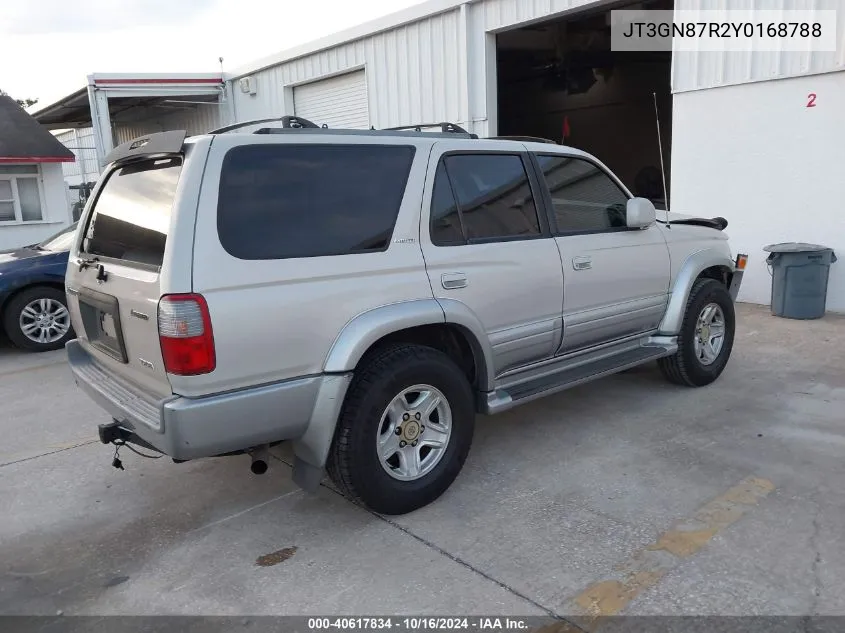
[(184, 330)]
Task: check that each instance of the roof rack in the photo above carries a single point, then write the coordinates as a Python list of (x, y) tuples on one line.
[(524, 139), (288, 122), (445, 127), (346, 132), (294, 124)]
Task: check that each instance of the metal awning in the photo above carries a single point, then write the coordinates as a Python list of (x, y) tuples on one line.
[(128, 96), (124, 100), (72, 111)]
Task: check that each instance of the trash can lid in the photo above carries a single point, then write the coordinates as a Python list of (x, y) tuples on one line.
[(795, 247)]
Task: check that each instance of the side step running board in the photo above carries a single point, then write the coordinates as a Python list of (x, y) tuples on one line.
[(502, 400)]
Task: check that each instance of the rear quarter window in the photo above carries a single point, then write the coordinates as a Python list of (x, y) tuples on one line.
[(286, 201)]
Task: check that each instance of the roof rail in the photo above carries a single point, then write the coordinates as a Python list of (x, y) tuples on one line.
[(445, 127), (524, 139), (347, 132), (292, 124), (295, 122)]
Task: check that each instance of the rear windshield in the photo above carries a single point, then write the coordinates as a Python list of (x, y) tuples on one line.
[(283, 201), (131, 215)]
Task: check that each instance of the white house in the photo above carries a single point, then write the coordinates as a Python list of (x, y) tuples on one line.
[(754, 135), (33, 194)]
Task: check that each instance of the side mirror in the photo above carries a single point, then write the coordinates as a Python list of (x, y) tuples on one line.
[(640, 213)]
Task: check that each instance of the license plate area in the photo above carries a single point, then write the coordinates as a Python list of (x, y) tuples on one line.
[(101, 320)]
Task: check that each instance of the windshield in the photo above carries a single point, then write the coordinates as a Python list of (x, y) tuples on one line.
[(61, 241)]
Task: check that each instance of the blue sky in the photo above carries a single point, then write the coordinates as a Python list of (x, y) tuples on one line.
[(48, 47)]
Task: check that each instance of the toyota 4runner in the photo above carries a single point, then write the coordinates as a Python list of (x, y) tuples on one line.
[(365, 293)]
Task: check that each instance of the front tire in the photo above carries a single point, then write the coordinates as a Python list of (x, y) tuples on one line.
[(404, 431), (706, 338), (37, 319)]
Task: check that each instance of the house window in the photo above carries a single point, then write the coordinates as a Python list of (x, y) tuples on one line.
[(20, 198)]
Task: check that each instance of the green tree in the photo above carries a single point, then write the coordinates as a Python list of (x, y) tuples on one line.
[(24, 103)]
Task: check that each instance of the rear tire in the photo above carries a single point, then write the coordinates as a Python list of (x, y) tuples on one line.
[(698, 363), (37, 319), (366, 460)]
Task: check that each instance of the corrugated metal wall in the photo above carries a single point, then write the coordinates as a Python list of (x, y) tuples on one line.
[(412, 75), (81, 143), (437, 68), (197, 119), (503, 14), (707, 69)]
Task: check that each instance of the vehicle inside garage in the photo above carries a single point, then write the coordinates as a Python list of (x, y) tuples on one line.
[(560, 80)]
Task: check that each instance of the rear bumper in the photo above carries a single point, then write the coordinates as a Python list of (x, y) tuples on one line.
[(189, 428)]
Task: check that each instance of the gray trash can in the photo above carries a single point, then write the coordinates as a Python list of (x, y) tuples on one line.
[(799, 279)]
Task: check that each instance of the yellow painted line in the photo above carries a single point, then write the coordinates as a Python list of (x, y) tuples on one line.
[(649, 565)]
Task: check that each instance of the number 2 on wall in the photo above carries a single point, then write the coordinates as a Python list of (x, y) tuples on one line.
[(811, 100)]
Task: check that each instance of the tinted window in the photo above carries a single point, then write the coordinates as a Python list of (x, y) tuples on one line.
[(281, 201), (584, 197), (493, 195), (131, 216), (445, 222)]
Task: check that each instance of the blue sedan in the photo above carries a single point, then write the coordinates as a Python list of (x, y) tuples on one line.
[(33, 307)]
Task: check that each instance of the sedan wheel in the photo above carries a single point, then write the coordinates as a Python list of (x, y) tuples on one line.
[(37, 319), (44, 321)]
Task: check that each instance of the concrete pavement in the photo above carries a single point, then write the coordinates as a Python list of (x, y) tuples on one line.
[(627, 495)]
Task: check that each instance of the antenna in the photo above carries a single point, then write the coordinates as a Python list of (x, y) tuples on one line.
[(662, 166)]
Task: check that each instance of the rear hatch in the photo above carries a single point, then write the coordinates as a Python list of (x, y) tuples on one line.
[(115, 270)]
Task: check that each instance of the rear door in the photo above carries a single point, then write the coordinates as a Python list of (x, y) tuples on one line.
[(114, 272), (487, 245)]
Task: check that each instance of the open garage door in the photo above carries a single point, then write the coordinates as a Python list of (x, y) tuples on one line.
[(560, 80), (339, 102)]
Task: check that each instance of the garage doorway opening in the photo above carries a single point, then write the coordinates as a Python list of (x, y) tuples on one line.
[(560, 80)]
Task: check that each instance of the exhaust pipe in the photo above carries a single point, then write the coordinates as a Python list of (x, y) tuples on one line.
[(260, 456)]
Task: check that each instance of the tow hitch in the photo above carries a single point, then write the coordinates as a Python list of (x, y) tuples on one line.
[(111, 432), (114, 433)]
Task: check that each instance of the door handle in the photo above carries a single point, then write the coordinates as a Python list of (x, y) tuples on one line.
[(582, 262), (451, 281)]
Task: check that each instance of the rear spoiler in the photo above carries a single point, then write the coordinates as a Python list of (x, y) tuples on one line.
[(150, 145)]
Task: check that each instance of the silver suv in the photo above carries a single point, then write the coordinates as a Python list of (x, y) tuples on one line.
[(364, 294)]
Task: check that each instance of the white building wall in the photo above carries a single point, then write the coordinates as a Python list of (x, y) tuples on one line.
[(438, 68), (744, 146), (755, 154), (505, 14), (413, 75), (442, 66), (55, 208), (709, 69), (85, 167)]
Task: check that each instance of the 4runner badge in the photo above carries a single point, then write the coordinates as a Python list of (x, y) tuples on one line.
[(404, 240)]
